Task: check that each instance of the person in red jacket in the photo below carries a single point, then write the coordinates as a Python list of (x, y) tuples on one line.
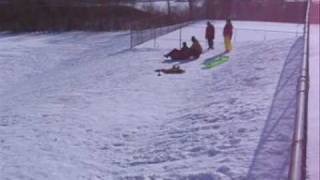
[(227, 34), (210, 34)]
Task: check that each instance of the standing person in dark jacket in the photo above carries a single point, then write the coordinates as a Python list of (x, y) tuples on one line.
[(210, 34), (227, 34)]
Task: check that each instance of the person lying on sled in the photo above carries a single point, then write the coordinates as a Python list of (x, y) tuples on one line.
[(183, 54), (174, 70)]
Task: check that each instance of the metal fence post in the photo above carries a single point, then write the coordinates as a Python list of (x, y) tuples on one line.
[(297, 169), (180, 37), (154, 37), (131, 36)]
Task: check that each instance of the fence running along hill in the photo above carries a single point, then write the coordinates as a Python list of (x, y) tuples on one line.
[(143, 32)]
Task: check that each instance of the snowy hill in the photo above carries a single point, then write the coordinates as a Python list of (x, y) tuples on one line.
[(80, 106)]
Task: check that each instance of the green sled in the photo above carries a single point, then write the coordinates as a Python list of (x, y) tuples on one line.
[(216, 62)]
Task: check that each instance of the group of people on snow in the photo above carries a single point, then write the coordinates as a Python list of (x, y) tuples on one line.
[(185, 52), (195, 50)]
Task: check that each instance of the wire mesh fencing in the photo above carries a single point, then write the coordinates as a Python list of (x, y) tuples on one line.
[(149, 29), (241, 34)]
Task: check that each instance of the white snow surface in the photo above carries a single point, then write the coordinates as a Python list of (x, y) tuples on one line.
[(313, 158), (79, 106)]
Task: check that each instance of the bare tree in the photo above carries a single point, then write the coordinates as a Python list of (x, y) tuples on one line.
[(191, 7), (149, 7), (117, 2), (169, 7)]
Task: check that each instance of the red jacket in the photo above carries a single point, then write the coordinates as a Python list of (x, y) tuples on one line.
[(227, 31), (210, 32)]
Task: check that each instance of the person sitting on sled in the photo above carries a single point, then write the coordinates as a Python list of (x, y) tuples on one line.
[(182, 54), (195, 48)]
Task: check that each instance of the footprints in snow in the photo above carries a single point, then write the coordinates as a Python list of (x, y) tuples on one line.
[(10, 120), (251, 82)]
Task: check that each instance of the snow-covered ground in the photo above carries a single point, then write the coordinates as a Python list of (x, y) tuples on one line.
[(313, 114), (79, 106)]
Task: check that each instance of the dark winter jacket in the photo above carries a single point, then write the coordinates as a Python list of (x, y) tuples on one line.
[(185, 49), (228, 30), (210, 32)]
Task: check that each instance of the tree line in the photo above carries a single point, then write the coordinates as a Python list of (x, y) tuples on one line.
[(112, 15), (65, 15)]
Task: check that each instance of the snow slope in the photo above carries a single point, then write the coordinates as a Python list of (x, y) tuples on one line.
[(78, 106)]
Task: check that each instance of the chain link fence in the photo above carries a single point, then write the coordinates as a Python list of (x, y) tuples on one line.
[(153, 28), (273, 11), (175, 37)]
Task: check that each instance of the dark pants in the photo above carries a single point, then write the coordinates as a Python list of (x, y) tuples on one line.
[(210, 43)]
